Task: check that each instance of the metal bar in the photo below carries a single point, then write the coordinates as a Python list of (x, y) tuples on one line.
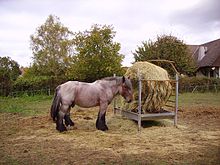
[(162, 61), (139, 100), (171, 81), (144, 117), (170, 62), (176, 99), (130, 115), (166, 115)]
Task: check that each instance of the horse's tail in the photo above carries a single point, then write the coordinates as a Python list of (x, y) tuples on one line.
[(54, 110)]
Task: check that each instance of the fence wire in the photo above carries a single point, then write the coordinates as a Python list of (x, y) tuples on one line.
[(48, 91), (200, 88), (43, 91)]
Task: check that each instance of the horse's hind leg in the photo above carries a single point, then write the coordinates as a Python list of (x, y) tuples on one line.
[(59, 123), (67, 119)]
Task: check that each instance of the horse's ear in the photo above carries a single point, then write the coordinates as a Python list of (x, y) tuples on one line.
[(123, 79)]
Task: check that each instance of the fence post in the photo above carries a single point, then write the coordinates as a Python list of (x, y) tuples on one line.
[(49, 91)]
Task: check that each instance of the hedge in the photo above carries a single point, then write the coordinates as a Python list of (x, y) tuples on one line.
[(201, 84)]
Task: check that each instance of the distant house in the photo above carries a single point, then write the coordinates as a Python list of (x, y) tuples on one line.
[(207, 58)]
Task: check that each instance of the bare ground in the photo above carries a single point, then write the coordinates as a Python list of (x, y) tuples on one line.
[(34, 140)]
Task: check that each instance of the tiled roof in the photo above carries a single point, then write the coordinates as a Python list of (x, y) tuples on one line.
[(212, 55)]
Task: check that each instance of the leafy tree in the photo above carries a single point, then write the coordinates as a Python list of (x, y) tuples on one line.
[(9, 72), (52, 48), (167, 48), (97, 55)]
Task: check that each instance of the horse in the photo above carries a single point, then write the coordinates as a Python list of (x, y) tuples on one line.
[(99, 93)]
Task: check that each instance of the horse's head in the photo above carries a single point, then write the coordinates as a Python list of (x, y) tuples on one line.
[(126, 89)]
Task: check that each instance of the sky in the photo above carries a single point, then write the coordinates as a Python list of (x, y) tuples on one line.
[(193, 21)]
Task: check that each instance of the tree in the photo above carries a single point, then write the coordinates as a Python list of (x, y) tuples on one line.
[(9, 72), (167, 48), (52, 48), (97, 55)]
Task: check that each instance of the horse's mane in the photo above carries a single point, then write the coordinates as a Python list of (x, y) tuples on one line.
[(117, 79), (110, 78)]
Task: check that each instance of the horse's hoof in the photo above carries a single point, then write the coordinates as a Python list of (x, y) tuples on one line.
[(71, 124), (103, 128), (61, 129), (71, 127)]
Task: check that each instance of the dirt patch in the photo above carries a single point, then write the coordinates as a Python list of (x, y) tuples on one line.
[(34, 140)]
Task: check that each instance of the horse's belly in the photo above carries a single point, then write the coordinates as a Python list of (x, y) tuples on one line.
[(86, 101), (86, 104)]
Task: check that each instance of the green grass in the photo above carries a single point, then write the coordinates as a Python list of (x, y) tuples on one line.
[(199, 99), (27, 106), (37, 105)]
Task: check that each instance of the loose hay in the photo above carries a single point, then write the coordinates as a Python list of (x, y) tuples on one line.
[(156, 87)]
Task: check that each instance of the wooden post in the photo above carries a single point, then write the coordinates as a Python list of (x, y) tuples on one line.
[(139, 101), (49, 91), (176, 99)]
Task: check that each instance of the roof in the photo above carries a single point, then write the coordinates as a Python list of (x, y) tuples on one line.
[(211, 54)]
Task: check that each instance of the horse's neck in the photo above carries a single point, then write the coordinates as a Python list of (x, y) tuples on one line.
[(112, 84)]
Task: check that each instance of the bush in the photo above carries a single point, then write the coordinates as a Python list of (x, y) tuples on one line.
[(201, 84), (35, 83)]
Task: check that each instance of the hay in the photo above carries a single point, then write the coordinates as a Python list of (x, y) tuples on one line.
[(156, 87), (148, 71)]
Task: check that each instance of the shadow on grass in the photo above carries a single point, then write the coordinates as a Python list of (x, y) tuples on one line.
[(151, 123)]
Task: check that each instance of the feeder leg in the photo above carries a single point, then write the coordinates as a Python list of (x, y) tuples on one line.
[(177, 94), (139, 102)]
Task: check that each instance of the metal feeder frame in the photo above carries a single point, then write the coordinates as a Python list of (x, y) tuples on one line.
[(153, 116)]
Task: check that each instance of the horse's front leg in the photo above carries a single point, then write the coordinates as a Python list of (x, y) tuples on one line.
[(100, 122)]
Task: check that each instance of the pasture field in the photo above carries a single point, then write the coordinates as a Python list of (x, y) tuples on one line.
[(28, 135)]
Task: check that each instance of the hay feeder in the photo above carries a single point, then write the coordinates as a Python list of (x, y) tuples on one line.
[(170, 108)]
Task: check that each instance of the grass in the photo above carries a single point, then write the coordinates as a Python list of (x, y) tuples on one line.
[(27, 106), (34, 140), (40, 104), (199, 99)]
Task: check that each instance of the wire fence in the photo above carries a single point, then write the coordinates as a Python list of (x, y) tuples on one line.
[(48, 91), (200, 88), (43, 91)]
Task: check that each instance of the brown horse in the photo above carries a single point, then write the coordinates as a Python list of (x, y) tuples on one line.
[(99, 93)]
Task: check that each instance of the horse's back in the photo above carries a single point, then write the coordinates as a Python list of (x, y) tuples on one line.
[(81, 93), (88, 94)]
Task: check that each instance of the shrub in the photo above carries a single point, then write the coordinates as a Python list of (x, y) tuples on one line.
[(201, 84), (35, 83)]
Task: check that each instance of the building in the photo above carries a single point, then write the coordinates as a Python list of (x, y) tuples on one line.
[(207, 57)]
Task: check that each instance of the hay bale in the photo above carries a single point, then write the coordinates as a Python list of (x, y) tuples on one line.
[(156, 87)]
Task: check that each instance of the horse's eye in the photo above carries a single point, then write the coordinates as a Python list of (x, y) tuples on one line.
[(126, 87)]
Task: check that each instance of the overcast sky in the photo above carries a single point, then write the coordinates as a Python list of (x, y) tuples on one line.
[(193, 21)]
